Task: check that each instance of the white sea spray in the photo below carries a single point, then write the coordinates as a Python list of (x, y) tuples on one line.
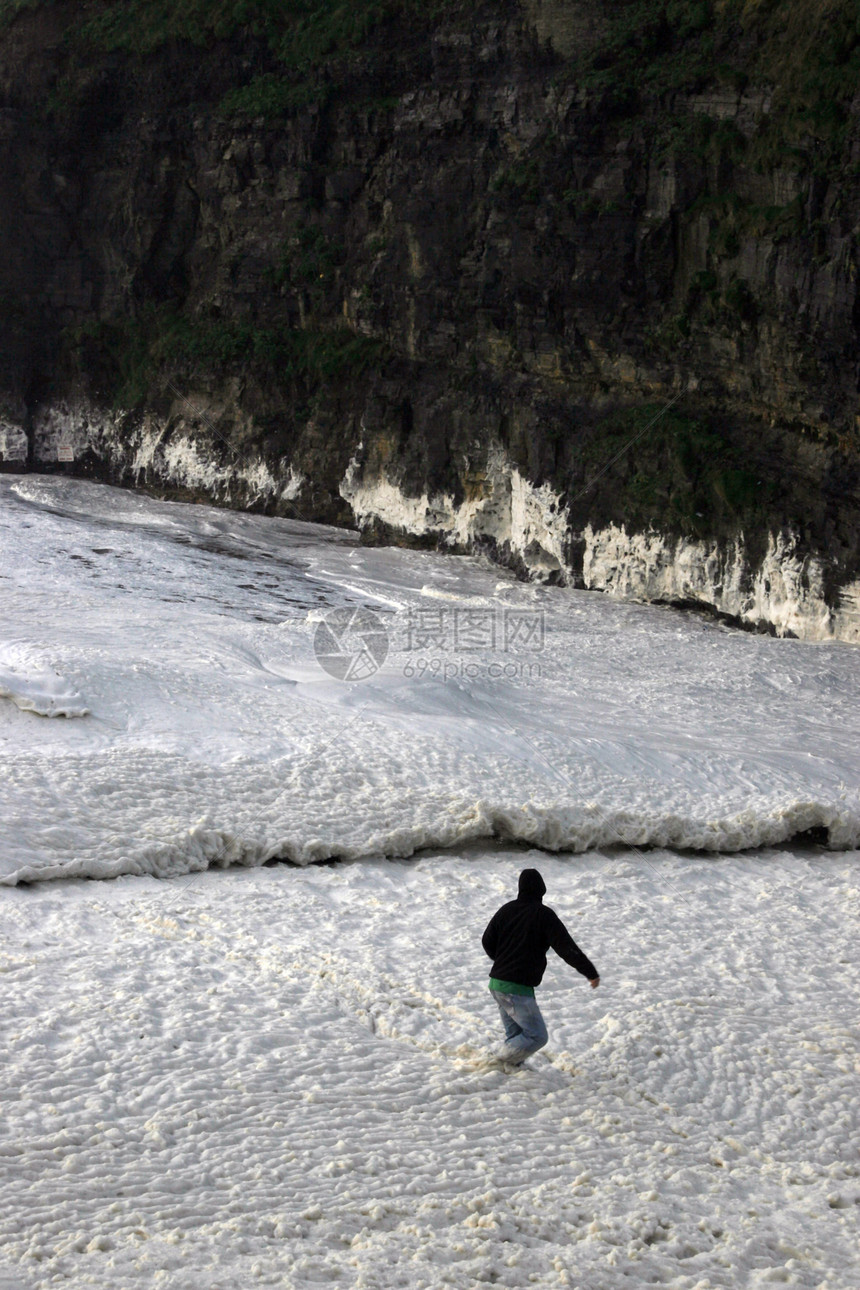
[(184, 451), (529, 521), (786, 591)]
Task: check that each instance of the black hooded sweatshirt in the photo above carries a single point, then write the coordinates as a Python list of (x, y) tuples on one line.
[(520, 933)]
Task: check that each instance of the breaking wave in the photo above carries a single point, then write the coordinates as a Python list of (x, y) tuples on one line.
[(574, 830)]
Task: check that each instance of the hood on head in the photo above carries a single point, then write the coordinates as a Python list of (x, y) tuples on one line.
[(532, 885)]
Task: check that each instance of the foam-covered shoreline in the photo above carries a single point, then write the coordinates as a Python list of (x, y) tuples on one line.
[(213, 735), (783, 588)]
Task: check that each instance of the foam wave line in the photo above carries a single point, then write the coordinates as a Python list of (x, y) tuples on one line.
[(574, 830)]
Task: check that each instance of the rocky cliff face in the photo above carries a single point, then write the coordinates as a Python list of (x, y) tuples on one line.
[(575, 285)]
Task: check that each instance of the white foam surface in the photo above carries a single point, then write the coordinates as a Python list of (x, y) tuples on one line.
[(276, 1075), (34, 688), (214, 736)]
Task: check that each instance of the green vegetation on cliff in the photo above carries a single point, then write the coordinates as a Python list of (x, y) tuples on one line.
[(807, 51), (311, 44), (305, 38), (302, 32), (680, 467), (129, 357)]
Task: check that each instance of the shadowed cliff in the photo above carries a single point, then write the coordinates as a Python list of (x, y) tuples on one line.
[(436, 270)]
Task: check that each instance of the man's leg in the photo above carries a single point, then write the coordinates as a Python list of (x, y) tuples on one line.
[(525, 1029), (511, 1027)]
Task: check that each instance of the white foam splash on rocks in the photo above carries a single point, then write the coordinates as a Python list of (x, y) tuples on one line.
[(13, 442), (183, 459), (175, 452), (785, 593), (528, 520)]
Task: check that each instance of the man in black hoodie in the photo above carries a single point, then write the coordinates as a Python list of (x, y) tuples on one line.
[(517, 939)]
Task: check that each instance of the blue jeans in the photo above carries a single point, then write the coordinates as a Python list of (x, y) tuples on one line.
[(525, 1029)]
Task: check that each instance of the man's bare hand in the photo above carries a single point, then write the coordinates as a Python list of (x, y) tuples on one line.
[(595, 983)]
